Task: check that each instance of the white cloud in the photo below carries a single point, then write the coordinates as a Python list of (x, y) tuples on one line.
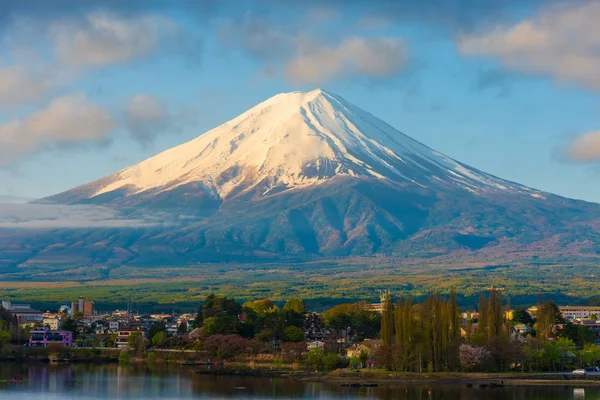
[(353, 57), (42, 54), (20, 86), (103, 38), (585, 147), (308, 57), (559, 42), (145, 117), (256, 36), (65, 120), (45, 216), (11, 198)]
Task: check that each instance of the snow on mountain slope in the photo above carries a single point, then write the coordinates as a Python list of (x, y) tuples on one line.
[(294, 140)]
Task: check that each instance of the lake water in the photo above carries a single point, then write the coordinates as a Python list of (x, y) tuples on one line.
[(112, 381)]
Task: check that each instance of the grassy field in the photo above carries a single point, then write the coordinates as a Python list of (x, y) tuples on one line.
[(320, 285)]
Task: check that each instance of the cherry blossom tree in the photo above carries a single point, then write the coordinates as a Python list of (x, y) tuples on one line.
[(471, 356)]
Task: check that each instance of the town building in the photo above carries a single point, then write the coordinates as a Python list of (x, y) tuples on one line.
[(65, 309), (101, 328), (315, 344), (532, 311), (171, 326), (52, 321), (470, 315), (113, 326), (376, 307), (579, 312), (82, 306), (123, 336), (521, 329), (41, 337), (368, 346), (26, 316)]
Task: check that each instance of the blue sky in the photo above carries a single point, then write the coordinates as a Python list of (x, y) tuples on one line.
[(88, 90)]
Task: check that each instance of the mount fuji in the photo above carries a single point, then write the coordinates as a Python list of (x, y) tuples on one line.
[(291, 141), (306, 176)]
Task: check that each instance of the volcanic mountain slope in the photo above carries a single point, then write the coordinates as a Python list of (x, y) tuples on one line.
[(309, 175)]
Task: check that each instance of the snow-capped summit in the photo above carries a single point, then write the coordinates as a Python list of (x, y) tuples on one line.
[(293, 140)]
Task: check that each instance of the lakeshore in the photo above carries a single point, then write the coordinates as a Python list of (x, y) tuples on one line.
[(194, 363), (383, 377), (170, 381)]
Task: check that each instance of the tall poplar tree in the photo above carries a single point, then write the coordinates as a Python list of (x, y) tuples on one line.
[(482, 324), (387, 320)]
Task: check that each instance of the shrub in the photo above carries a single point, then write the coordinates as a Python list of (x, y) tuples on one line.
[(226, 346), (314, 357), (293, 350), (57, 348), (124, 356), (331, 361)]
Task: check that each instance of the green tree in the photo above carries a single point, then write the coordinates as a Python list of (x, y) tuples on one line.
[(263, 316), (296, 305), (266, 335), (220, 306), (294, 334), (223, 325), (137, 343), (294, 312), (182, 327), (495, 315), (362, 321), (482, 323), (112, 339), (363, 357), (199, 319), (404, 354), (155, 328), (314, 357), (70, 324), (387, 320), (590, 354), (159, 339), (452, 327), (331, 361), (546, 317), (521, 316), (261, 306), (580, 335), (220, 315), (5, 338)]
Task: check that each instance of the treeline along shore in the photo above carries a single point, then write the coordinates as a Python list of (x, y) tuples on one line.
[(398, 338)]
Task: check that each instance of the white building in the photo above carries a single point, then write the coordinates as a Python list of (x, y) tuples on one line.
[(53, 322), (579, 312), (316, 344)]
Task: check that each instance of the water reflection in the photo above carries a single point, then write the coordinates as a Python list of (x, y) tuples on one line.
[(160, 381)]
